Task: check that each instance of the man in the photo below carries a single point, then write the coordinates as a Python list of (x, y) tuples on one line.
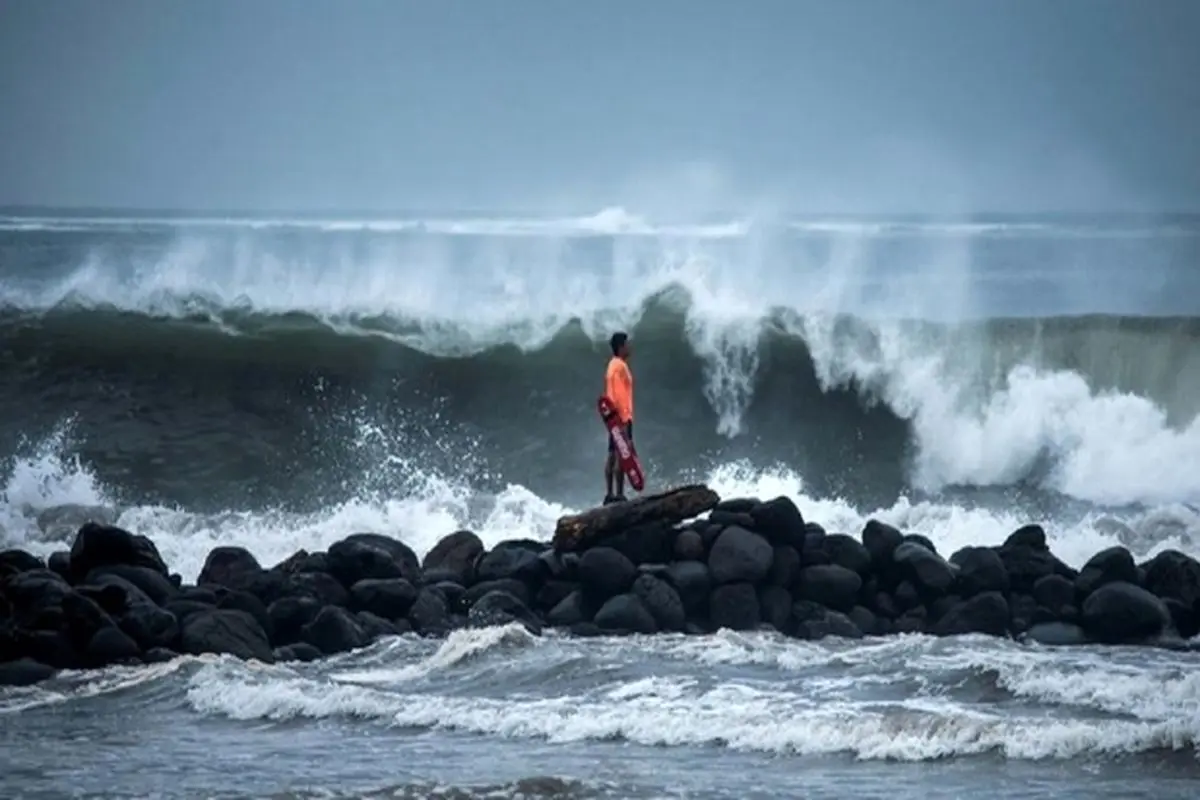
[(618, 385)]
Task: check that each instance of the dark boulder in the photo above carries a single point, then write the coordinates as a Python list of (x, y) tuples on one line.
[(662, 601), (775, 607), (98, 579), (866, 621), (234, 600), (1055, 594), (334, 630), (153, 584), (818, 625), (429, 615), (24, 672), (506, 561), (511, 585), (159, 655), (740, 555), (1032, 536), (846, 551), (299, 651), (1107, 566), (182, 609), (289, 615), (625, 613), (1124, 613), (60, 564), (320, 586), (881, 541), (229, 567), (99, 545), (693, 583), (984, 613), (568, 612), (150, 627), (647, 543), (785, 566), (780, 521), (605, 572), (928, 571), (1056, 634), (830, 585), (457, 554), (735, 606), (724, 517), (351, 561), (980, 569), (233, 632), (1174, 576), (1026, 565), (390, 598), (502, 608), (689, 546), (400, 553), (111, 645), (553, 592), (375, 627), (14, 561)]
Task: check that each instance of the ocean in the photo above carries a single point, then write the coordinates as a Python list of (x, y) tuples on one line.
[(280, 383)]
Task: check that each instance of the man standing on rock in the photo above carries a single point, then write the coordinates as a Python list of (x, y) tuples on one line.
[(618, 386)]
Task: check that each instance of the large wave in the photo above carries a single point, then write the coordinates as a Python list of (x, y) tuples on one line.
[(877, 360)]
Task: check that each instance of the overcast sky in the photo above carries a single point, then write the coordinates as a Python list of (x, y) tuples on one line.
[(948, 106)]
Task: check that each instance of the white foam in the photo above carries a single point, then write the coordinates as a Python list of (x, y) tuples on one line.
[(681, 710)]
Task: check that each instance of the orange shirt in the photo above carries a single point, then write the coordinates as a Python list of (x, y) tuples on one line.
[(618, 385)]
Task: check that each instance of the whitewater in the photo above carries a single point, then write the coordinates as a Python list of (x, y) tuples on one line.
[(281, 383)]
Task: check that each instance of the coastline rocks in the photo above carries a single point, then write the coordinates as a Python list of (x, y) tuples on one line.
[(682, 562)]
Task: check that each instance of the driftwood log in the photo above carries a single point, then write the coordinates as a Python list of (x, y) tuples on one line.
[(579, 531)]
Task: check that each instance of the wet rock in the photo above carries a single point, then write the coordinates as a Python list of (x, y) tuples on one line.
[(1054, 593), (1026, 565), (740, 555), (401, 554), (725, 518), (300, 651), (648, 543), (865, 621), (150, 627), (980, 569), (502, 608), (785, 566), (14, 561), (457, 554), (375, 627), (289, 615), (1032, 536), (570, 611), (99, 545), (153, 584), (848, 552), (830, 585), (625, 613), (1121, 612), (229, 567), (662, 601), (984, 613), (351, 561), (429, 614), (24, 672), (1175, 576), (60, 564), (390, 598), (111, 645), (928, 571), (1056, 634), (689, 546), (814, 624), (159, 655), (182, 609), (1107, 566), (553, 592), (511, 585), (735, 606), (320, 586), (233, 632), (693, 583), (881, 541), (334, 630), (605, 572), (235, 600), (780, 521), (775, 607), (133, 595)]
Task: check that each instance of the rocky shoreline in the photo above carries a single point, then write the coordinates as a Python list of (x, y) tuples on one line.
[(682, 561)]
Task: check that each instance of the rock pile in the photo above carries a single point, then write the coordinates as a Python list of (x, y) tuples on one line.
[(682, 561)]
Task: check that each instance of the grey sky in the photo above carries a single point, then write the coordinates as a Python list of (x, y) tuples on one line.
[(840, 105)]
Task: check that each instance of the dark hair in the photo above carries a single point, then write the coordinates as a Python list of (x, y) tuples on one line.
[(617, 341)]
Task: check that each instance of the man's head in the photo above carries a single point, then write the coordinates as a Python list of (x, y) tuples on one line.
[(619, 342)]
